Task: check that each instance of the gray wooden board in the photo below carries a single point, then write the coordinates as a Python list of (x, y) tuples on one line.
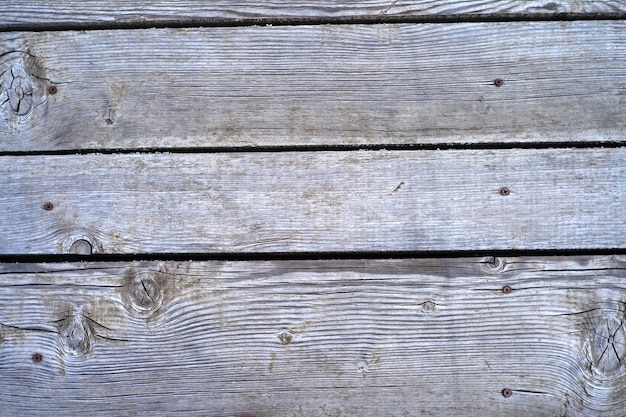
[(40, 13), (313, 85), (430, 337), (315, 201)]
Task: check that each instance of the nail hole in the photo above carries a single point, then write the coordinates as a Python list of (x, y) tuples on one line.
[(81, 247), (507, 289), (48, 206), (52, 89), (505, 191), (507, 392), (37, 357), (498, 82)]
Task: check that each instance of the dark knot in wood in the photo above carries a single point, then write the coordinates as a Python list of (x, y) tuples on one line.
[(494, 264), (79, 242), (22, 90), (603, 333), (607, 344), (285, 337), (144, 292), (76, 333), (428, 307), (81, 247), (17, 90)]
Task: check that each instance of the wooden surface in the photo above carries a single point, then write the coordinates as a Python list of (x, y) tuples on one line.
[(519, 133), (313, 85), (76, 13), (315, 201), (317, 338)]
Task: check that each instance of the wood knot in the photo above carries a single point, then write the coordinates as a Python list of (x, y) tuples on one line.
[(494, 264), (77, 242), (428, 307), (18, 89), (21, 90), (75, 334), (606, 345), (144, 291), (285, 337), (110, 116), (81, 247)]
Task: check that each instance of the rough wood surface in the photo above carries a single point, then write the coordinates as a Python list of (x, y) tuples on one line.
[(319, 338), (313, 85), (314, 201), (42, 13)]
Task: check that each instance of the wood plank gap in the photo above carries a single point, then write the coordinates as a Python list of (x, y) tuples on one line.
[(310, 21), (304, 256), (327, 148)]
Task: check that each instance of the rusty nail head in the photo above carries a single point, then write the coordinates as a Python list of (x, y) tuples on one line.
[(37, 357), (505, 191), (507, 392), (48, 206), (507, 289), (498, 82), (52, 89)]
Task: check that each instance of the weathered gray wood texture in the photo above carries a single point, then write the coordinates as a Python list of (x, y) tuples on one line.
[(315, 201), (313, 85), (318, 338), (42, 13)]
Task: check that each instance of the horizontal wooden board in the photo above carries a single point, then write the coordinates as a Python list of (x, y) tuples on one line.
[(430, 337), (313, 85), (314, 201), (41, 13)]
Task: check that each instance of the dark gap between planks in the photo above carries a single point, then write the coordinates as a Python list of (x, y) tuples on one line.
[(299, 21), (327, 148), (304, 256)]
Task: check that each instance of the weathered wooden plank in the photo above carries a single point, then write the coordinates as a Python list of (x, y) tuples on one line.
[(317, 338), (313, 85), (314, 201), (41, 13)]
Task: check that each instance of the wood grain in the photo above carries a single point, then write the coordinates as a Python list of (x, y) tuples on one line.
[(266, 202), (40, 13), (313, 86), (431, 337)]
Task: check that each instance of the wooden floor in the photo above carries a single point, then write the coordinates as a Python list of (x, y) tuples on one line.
[(304, 208)]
